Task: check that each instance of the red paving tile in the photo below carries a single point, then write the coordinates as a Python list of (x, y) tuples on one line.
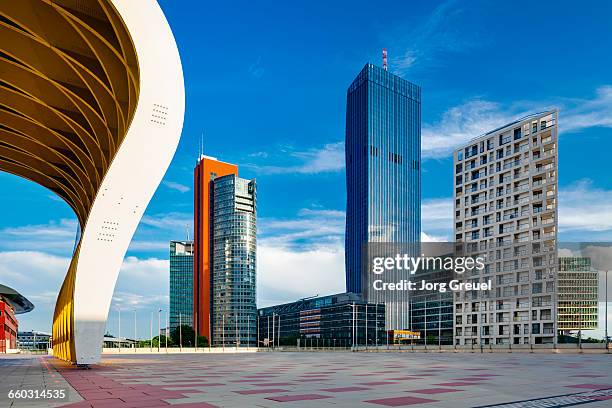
[(272, 384), (379, 383), (261, 391), (591, 386), (434, 390), (400, 401), (302, 397), (457, 384), (185, 385), (345, 389)]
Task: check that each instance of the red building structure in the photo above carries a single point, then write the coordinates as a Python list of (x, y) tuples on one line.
[(206, 170), (11, 303)]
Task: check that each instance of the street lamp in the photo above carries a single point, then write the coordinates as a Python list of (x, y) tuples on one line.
[(151, 329), (119, 310), (159, 330), (607, 337)]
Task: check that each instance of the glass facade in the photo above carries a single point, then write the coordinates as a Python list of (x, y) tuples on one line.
[(234, 313), (330, 321), (578, 284), (181, 283), (383, 175)]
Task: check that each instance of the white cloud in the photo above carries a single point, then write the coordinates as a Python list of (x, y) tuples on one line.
[(432, 238), (312, 228), (55, 236), (169, 221), (325, 159), (285, 275), (584, 207), (437, 215), (587, 113), (460, 124), (145, 245), (177, 186), (475, 117), (142, 283)]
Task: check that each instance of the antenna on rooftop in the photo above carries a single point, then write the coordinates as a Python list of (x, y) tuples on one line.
[(384, 57), (201, 146)]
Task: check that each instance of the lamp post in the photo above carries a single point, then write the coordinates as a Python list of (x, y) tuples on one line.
[(181, 331), (119, 310), (607, 338), (159, 330), (135, 330), (366, 326), (279, 332), (376, 324), (167, 324), (273, 329), (353, 326), (151, 329), (480, 325)]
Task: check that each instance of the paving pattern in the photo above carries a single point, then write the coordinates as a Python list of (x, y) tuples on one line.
[(25, 373), (343, 379)]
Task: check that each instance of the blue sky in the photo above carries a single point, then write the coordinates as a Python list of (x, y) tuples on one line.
[(266, 86)]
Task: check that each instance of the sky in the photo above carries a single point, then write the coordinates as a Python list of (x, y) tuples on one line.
[(266, 89)]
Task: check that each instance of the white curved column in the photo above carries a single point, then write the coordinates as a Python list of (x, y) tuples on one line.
[(134, 175)]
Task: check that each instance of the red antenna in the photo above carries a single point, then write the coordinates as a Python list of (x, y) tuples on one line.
[(384, 55)]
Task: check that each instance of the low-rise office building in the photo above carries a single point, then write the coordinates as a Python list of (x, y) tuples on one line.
[(33, 340), (340, 320), (577, 289)]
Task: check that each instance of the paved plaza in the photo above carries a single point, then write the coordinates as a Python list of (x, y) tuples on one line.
[(318, 379)]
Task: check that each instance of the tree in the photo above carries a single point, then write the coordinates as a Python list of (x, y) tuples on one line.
[(188, 336), (161, 341)]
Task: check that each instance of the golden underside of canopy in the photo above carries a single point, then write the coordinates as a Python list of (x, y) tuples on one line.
[(68, 91)]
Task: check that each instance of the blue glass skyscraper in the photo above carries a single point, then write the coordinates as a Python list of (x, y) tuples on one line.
[(383, 174), (181, 283)]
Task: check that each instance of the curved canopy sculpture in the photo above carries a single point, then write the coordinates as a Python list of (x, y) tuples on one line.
[(91, 107), (18, 302)]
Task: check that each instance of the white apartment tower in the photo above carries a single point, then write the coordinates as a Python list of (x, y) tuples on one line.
[(506, 210)]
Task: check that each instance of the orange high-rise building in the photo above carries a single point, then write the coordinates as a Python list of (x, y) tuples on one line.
[(207, 169)]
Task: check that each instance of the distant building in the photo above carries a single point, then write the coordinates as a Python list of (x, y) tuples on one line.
[(181, 283), (33, 340), (577, 289), (339, 320), (383, 177), (11, 304), (506, 191), (115, 342), (206, 170), (234, 249), (431, 311)]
